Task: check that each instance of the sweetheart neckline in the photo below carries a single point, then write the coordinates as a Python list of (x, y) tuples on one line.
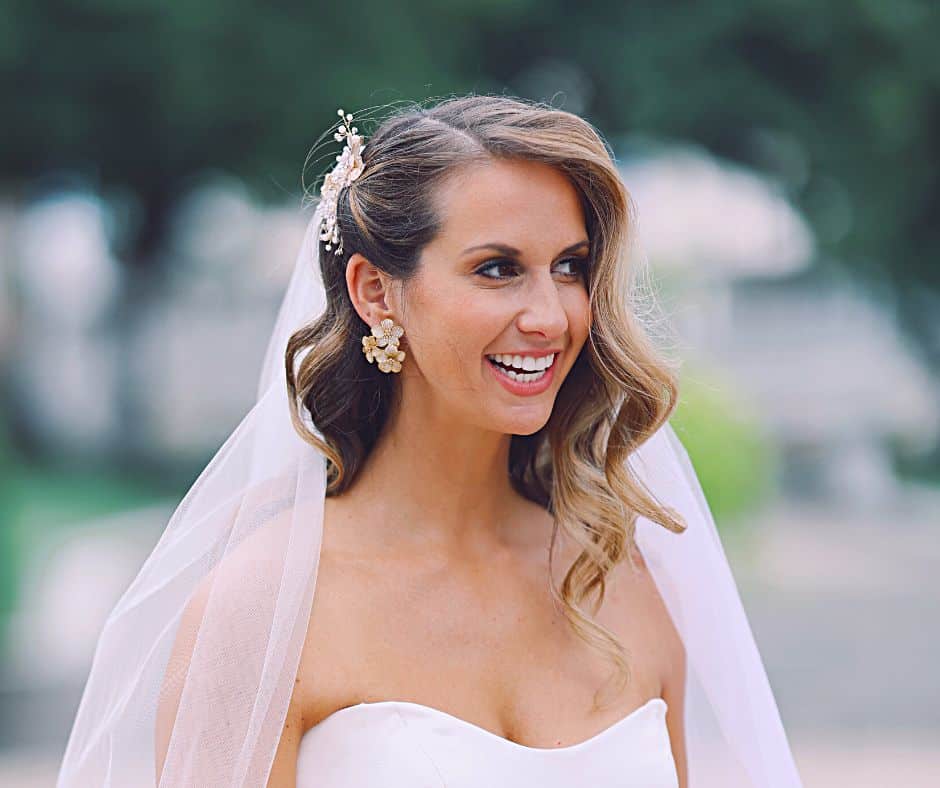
[(431, 710)]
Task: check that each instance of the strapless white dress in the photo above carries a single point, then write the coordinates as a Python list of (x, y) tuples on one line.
[(394, 744)]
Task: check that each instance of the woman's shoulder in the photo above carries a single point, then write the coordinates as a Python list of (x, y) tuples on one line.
[(634, 610), (337, 636)]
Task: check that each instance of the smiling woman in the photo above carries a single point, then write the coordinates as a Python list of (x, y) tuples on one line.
[(498, 530), (456, 315), (534, 198)]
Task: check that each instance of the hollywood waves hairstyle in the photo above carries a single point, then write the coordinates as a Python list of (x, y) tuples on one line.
[(620, 390)]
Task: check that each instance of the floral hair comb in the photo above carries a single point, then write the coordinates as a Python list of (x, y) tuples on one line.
[(348, 168)]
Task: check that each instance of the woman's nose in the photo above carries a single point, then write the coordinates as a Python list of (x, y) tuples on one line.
[(544, 310)]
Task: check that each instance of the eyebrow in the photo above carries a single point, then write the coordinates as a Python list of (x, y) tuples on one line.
[(511, 251)]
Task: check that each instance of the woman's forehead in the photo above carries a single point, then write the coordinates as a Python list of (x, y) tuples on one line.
[(514, 202)]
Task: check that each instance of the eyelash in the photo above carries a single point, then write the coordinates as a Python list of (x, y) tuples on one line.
[(581, 263)]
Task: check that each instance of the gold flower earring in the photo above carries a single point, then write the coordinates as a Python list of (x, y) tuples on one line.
[(382, 346)]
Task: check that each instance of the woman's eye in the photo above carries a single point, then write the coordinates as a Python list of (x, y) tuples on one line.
[(576, 266), (492, 265)]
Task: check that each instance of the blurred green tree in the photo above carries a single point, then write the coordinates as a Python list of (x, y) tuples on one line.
[(733, 458)]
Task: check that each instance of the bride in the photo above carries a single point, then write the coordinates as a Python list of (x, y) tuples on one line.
[(456, 541)]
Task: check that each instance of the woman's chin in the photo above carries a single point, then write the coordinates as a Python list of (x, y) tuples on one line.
[(525, 420)]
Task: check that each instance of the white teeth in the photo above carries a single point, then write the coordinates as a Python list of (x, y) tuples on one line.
[(525, 363), (522, 377)]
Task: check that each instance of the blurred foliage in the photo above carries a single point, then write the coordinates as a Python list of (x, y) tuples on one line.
[(838, 100), (913, 464), (9, 553), (732, 459)]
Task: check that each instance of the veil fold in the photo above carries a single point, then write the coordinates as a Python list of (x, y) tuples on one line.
[(199, 656)]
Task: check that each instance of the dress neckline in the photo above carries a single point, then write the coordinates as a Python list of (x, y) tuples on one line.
[(486, 733)]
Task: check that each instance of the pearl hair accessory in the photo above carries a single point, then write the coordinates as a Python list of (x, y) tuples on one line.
[(348, 168)]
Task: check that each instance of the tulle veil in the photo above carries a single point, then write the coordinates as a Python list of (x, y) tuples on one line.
[(245, 540)]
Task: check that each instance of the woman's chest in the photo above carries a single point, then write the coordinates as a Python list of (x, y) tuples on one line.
[(488, 645)]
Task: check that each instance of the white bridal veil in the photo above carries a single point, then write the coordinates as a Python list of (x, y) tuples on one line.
[(242, 549)]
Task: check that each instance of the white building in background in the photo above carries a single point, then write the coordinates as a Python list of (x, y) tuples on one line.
[(707, 222), (825, 367), (194, 344), (61, 349), (201, 344)]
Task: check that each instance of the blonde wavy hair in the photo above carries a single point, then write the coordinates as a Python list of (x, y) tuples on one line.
[(619, 391)]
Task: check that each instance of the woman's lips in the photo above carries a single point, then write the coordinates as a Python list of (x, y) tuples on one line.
[(523, 388)]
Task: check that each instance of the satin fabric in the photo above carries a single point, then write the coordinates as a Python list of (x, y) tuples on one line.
[(399, 744)]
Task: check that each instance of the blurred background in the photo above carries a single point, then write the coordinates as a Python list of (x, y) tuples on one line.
[(783, 155)]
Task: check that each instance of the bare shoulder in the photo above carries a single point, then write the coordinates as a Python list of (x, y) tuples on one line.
[(649, 611), (328, 667), (634, 607), (335, 649)]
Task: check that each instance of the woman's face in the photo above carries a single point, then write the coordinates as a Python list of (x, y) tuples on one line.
[(506, 275)]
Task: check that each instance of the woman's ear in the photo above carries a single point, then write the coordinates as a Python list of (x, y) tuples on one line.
[(368, 289)]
